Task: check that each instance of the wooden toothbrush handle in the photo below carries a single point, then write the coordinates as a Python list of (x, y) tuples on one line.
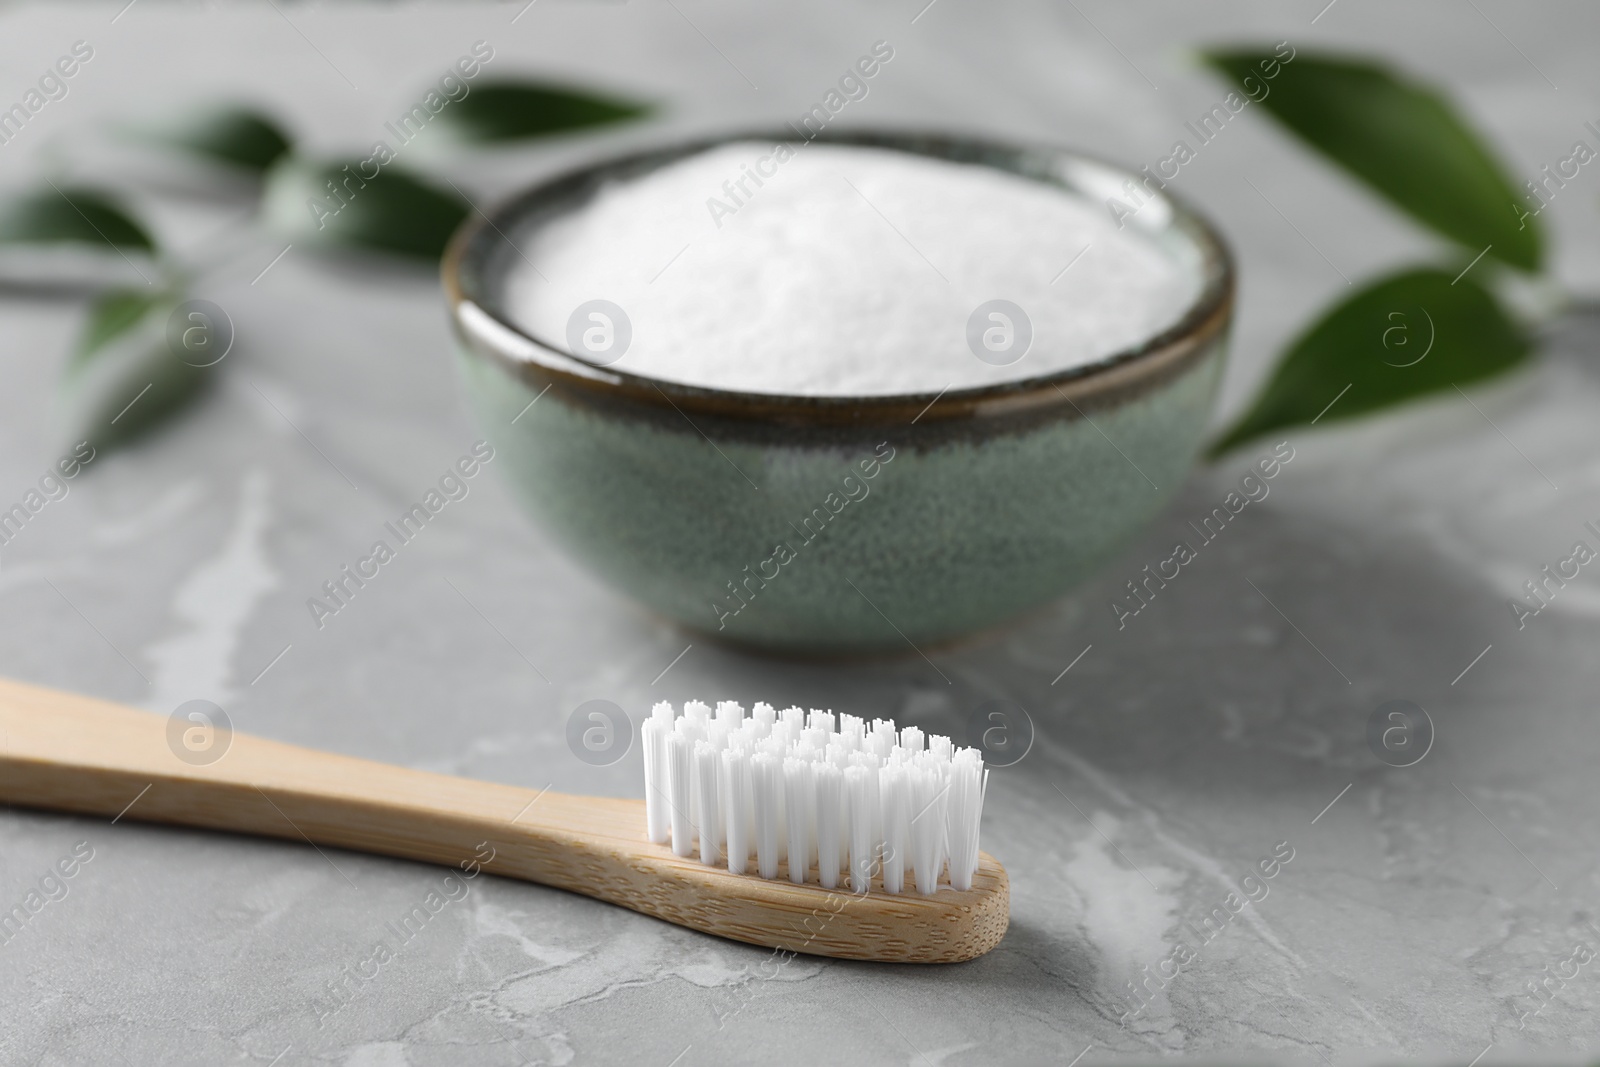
[(65, 752)]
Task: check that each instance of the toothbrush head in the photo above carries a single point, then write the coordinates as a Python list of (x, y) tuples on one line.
[(865, 836)]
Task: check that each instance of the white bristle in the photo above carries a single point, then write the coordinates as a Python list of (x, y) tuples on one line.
[(693, 731), (861, 793), (880, 739), (654, 738), (736, 806), (786, 733), (929, 798), (830, 813), (766, 780), (854, 801), (679, 749), (707, 792), (895, 794), (968, 783), (799, 812)]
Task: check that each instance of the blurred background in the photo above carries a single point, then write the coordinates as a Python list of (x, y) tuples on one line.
[(1426, 907)]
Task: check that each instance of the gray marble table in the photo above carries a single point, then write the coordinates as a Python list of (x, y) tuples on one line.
[(1226, 721)]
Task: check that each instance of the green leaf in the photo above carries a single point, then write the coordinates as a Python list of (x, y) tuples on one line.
[(123, 378), (509, 110), (1405, 336), (232, 134), (112, 315), (335, 205), (1400, 137), (73, 215)]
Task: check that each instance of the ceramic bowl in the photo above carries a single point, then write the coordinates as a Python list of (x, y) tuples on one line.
[(841, 524)]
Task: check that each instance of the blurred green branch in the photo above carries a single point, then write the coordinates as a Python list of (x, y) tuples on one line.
[(144, 354), (1424, 329)]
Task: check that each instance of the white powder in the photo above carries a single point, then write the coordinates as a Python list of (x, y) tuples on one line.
[(848, 271)]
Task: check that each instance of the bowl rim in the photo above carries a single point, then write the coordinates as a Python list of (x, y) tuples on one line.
[(1111, 379)]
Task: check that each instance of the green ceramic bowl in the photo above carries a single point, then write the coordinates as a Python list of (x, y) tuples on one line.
[(838, 524)]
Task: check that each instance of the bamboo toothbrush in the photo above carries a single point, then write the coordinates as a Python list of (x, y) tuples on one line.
[(764, 781)]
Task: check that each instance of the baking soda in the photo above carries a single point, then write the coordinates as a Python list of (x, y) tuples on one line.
[(830, 270)]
